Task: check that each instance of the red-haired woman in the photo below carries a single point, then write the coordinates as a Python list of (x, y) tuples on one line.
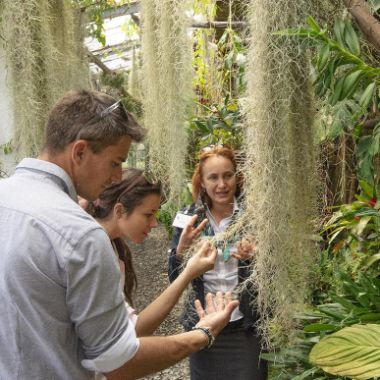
[(216, 188)]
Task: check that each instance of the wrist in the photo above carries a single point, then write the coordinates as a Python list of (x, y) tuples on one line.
[(207, 333), (179, 252)]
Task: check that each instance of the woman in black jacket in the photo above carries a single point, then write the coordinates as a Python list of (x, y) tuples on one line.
[(216, 187)]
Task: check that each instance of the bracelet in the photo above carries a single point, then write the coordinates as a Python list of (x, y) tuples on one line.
[(207, 332)]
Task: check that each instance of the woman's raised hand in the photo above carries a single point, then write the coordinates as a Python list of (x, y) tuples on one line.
[(189, 234), (202, 261), (245, 249)]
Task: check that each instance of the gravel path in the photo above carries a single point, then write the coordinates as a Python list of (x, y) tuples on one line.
[(150, 262)]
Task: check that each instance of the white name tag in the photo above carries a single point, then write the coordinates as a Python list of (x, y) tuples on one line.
[(181, 220)]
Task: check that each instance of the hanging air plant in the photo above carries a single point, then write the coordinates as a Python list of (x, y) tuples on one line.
[(279, 170), (44, 60), (167, 71)]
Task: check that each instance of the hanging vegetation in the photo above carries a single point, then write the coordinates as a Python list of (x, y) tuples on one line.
[(133, 77), (280, 165), (43, 46), (166, 49)]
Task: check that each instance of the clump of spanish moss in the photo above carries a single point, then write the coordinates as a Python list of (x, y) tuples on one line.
[(166, 49), (134, 86), (44, 55), (280, 165)]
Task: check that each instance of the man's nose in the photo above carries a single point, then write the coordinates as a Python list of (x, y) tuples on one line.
[(117, 175)]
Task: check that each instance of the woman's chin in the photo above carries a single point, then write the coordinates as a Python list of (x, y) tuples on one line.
[(223, 199)]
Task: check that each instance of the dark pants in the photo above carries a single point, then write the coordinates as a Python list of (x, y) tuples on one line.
[(233, 356)]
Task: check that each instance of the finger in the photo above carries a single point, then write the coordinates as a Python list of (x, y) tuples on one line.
[(192, 221), (201, 226), (219, 301), (245, 244), (236, 255), (231, 306), (213, 253), (199, 309), (227, 298), (210, 302), (205, 247)]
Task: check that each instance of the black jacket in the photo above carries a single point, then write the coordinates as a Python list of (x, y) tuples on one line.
[(189, 316)]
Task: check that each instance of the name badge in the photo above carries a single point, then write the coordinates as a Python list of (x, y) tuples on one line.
[(181, 220)]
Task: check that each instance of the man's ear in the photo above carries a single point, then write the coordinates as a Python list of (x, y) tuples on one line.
[(78, 150)]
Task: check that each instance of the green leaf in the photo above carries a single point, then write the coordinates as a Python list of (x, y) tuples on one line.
[(323, 56), (313, 24), (317, 327), (372, 260), (370, 317), (350, 83), (367, 188), (351, 38), (335, 129), (367, 95), (339, 31), (353, 352), (335, 96)]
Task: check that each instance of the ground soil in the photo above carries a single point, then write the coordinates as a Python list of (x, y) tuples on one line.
[(150, 262)]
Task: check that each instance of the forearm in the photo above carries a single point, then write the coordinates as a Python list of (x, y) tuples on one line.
[(158, 353), (153, 315)]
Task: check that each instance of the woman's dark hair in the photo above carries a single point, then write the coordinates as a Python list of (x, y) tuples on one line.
[(130, 192)]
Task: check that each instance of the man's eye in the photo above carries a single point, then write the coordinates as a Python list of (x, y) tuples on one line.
[(115, 164)]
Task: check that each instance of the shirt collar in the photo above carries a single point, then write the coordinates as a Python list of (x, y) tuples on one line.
[(224, 220), (55, 172)]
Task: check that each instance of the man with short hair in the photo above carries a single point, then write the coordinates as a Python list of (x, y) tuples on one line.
[(62, 313)]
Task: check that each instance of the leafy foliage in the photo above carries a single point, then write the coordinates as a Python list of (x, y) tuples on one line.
[(349, 86), (353, 352)]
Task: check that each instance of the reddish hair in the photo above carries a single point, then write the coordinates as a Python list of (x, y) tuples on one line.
[(196, 180)]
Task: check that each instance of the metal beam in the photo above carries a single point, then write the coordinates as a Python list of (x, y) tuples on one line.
[(123, 10)]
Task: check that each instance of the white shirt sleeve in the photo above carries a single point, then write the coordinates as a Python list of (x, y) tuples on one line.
[(96, 304), (124, 350)]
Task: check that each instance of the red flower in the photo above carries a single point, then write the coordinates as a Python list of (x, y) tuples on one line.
[(372, 202), (357, 217)]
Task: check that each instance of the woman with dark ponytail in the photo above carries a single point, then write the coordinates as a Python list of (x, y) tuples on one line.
[(128, 210)]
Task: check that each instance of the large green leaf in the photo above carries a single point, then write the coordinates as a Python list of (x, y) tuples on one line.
[(353, 352)]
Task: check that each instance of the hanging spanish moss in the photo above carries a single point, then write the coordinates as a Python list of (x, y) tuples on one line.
[(167, 70), (133, 77), (44, 59), (279, 171)]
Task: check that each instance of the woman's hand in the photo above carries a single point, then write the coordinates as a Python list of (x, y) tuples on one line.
[(189, 234), (202, 261), (245, 249)]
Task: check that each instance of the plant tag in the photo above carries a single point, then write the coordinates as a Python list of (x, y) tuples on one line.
[(181, 220)]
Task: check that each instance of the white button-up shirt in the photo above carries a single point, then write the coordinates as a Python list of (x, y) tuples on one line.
[(224, 276), (62, 313)]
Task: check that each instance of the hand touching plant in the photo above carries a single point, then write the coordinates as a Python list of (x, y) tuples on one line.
[(245, 249), (189, 234)]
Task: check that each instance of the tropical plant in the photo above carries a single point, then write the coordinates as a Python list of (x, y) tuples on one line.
[(353, 352), (353, 235), (357, 301), (349, 88)]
